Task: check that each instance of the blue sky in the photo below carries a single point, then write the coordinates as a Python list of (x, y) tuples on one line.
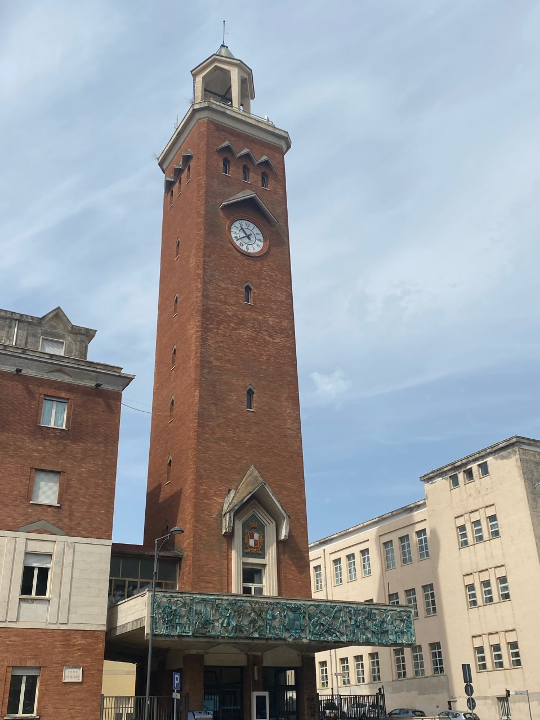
[(413, 185)]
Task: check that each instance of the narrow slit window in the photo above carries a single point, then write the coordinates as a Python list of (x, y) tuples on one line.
[(177, 255), (173, 356), (226, 167), (250, 395), (245, 173), (169, 469), (248, 294), (264, 180), (171, 409), (175, 307), (188, 172), (179, 188), (171, 197)]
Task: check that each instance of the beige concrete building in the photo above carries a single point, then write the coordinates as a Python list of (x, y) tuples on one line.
[(467, 560)]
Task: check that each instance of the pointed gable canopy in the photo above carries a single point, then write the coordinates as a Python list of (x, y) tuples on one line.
[(250, 196), (253, 487)]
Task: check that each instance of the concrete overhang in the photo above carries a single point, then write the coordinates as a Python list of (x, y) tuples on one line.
[(228, 116), (251, 196)]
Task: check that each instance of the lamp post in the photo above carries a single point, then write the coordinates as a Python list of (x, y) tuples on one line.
[(158, 544)]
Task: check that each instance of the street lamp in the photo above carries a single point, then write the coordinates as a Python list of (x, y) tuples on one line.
[(158, 544)]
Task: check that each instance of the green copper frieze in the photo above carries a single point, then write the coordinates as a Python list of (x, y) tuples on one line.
[(244, 618)]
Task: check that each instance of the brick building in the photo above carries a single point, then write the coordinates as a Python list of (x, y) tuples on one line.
[(226, 450), (59, 423)]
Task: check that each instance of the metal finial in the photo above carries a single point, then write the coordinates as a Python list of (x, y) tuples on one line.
[(223, 43)]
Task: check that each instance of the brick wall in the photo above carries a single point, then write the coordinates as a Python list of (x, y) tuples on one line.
[(222, 346), (51, 650), (85, 453)]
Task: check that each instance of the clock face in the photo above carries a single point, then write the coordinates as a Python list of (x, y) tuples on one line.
[(247, 236)]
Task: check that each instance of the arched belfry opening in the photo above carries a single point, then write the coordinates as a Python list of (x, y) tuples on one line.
[(224, 79)]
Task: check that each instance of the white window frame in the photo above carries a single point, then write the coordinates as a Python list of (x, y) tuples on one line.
[(504, 588), (36, 486), (338, 571), (412, 601), (366, 562), (317, 578), (375, 667), (400, 664), (345, 671), (323, 674), (493, 524), (497, 656), (55, 340), (359, 668), (392, 597), (472, 598), (478, 531), (437, 662), (56, 402), (430, 603), (487, 592), (389, 555), (248, 565), (418, 661), (36, 561), (406, 553), (463, 536), (481, 467), (351, 567), (25, 672), (423, 544), (480, 657), (515, 655)]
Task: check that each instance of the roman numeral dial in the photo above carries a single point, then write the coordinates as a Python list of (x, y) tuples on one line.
[(247, 237)]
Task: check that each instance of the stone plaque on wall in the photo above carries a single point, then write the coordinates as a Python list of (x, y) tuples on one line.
[(72, 674)]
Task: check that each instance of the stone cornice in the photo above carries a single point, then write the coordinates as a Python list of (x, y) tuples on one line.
[(514, 441), (225, 115), (62, 369)]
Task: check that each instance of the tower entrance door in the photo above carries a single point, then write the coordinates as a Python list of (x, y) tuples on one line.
[(223, 692), (280, 683)]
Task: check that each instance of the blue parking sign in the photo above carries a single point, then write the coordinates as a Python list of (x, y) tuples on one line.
[(177, 681)]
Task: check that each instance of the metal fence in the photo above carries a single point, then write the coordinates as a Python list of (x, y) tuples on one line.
[(355, 707), (129, 707)]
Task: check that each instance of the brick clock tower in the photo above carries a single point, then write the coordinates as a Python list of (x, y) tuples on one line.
[(226, 448)]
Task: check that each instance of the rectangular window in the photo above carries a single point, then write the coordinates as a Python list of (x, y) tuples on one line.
[(423, 548), (35, 579), (351, 567), (483, 469), (359, 666), (23, 691), (493, 526), (515, 657), (462, 535), (399, 660), (253, 580), (477, 530), (454, 480), (55, 347), (468, 475), (429, 599), (480, 654), (338, 574), (418, 661), (366, 563), (436, 658), (496, 654), (344, 667), (389, 555), (487, 591), (504, 589), (471, 595), (410, 597), (53, 413), (46, 484), (406, 555), (317, 578), (375, 667), (323, 674), (393, 598)]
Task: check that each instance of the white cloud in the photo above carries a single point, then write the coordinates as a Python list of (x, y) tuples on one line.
[(329, 388)]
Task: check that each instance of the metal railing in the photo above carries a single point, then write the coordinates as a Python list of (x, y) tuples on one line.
[(131, 707), (355, 707)]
